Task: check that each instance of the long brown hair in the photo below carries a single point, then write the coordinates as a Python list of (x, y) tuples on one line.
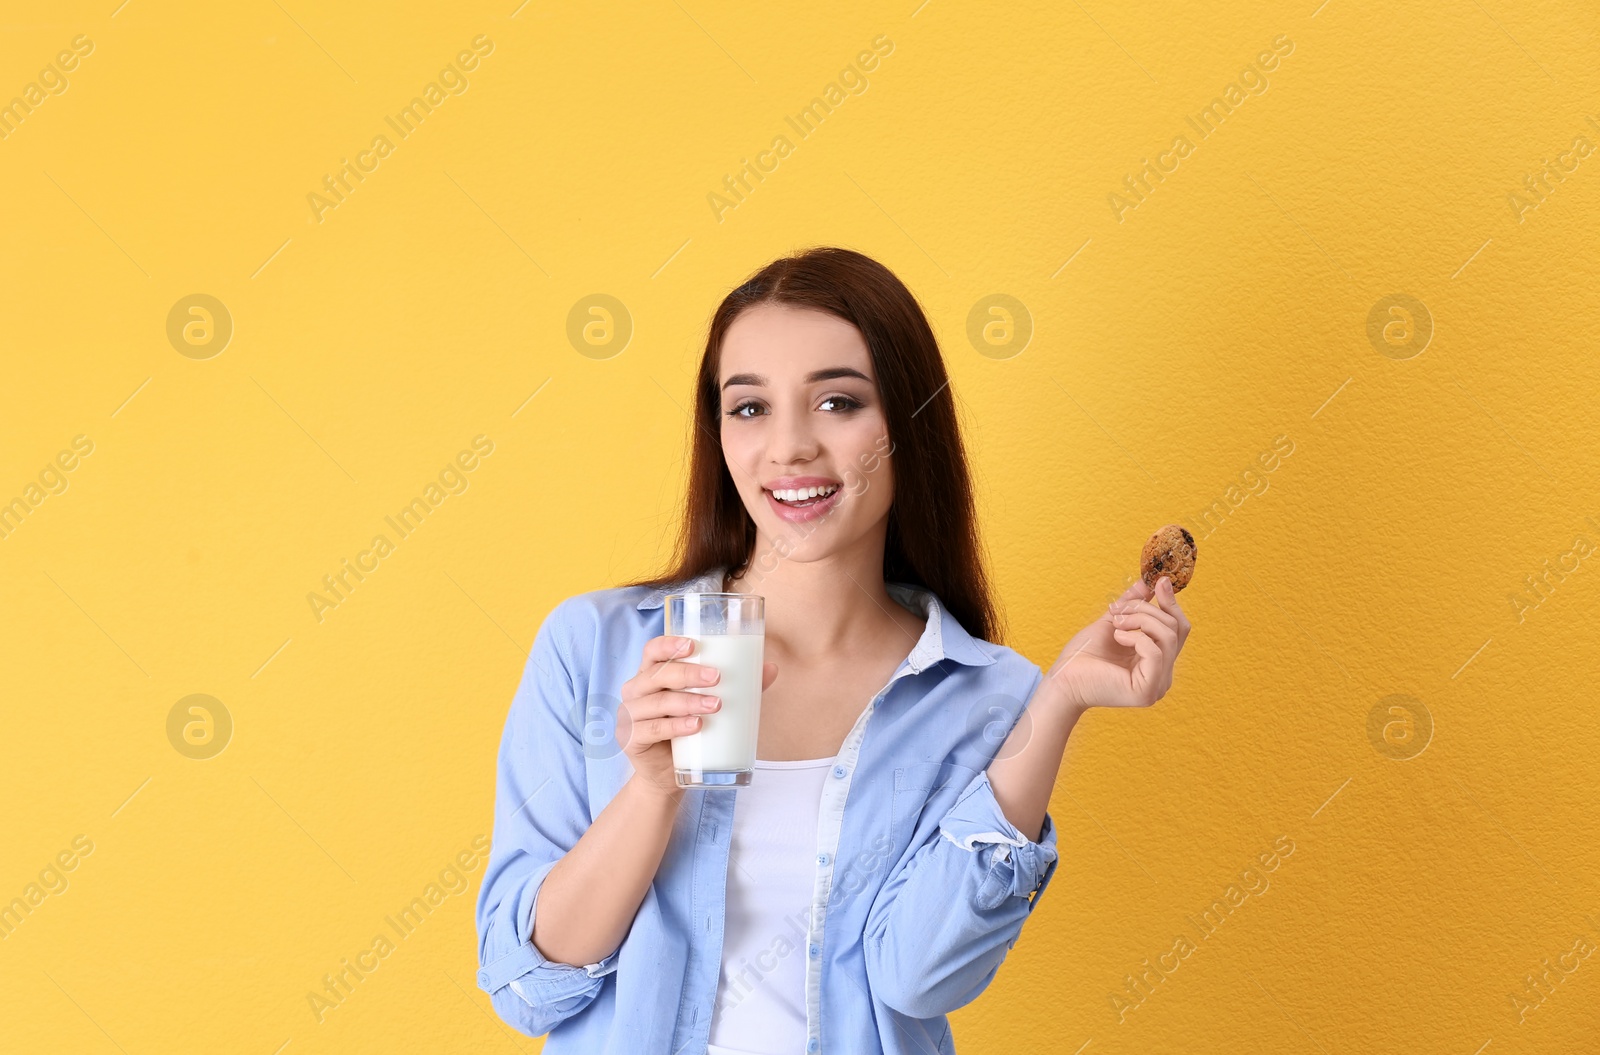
[(932, 538)]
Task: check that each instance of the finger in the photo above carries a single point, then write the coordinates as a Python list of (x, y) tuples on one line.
[(654, 730), (1147, 607), (1136, 592), (660, 649), (1169, 603), (769, 674), (1166, 597), (681, 674), (666, 703), (1164, 637), (1148, 666), (1164, 634)]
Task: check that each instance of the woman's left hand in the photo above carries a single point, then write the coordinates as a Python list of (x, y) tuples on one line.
[(1125, 658)]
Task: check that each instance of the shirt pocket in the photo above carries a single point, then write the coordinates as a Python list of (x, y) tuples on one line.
[(918, 784)]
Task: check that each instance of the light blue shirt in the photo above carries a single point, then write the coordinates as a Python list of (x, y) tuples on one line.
[(922, 885)]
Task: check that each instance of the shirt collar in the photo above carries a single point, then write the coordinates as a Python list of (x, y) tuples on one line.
[(942, 638)]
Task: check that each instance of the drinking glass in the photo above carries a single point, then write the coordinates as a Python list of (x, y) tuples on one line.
[(728, 630)]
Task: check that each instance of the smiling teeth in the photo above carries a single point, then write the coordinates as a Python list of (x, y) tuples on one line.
[(804, 493)]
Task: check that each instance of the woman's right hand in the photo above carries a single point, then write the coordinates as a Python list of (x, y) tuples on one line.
[(656, 707)]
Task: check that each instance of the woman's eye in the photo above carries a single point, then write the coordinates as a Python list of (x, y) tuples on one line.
[(843, 403)]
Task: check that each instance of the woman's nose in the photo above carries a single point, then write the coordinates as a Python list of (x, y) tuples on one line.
[(792, 438)]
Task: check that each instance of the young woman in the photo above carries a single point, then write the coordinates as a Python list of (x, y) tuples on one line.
[(895, 836)]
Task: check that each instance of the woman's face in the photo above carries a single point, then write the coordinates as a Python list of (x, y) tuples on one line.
[(800, 409)]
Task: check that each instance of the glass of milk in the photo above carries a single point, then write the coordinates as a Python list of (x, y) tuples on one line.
[(728, 630)]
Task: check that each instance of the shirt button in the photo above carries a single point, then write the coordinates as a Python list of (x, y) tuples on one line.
[(483, 977), (838, 771), (822, 859), (816, 950), (812, 1045)]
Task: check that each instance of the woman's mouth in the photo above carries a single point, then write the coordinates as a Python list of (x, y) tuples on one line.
[(806, 503)]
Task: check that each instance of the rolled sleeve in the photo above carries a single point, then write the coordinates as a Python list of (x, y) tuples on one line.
[(541, 811), (539, 981), (1018, 866), (942, 924)]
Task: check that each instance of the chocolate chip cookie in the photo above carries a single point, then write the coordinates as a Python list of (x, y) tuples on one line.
[(1170, 552)]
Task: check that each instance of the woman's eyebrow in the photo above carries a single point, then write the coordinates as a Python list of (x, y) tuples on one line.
[(826, 374)]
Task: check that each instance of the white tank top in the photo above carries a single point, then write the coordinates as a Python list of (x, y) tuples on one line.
[(760, 1007)]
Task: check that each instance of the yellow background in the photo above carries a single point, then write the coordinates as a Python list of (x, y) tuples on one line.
[(1168, 350)]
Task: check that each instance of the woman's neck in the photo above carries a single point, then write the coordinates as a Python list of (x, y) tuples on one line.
[(826, 607)]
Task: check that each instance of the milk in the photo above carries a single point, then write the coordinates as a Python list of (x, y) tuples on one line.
[(726, 739)]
